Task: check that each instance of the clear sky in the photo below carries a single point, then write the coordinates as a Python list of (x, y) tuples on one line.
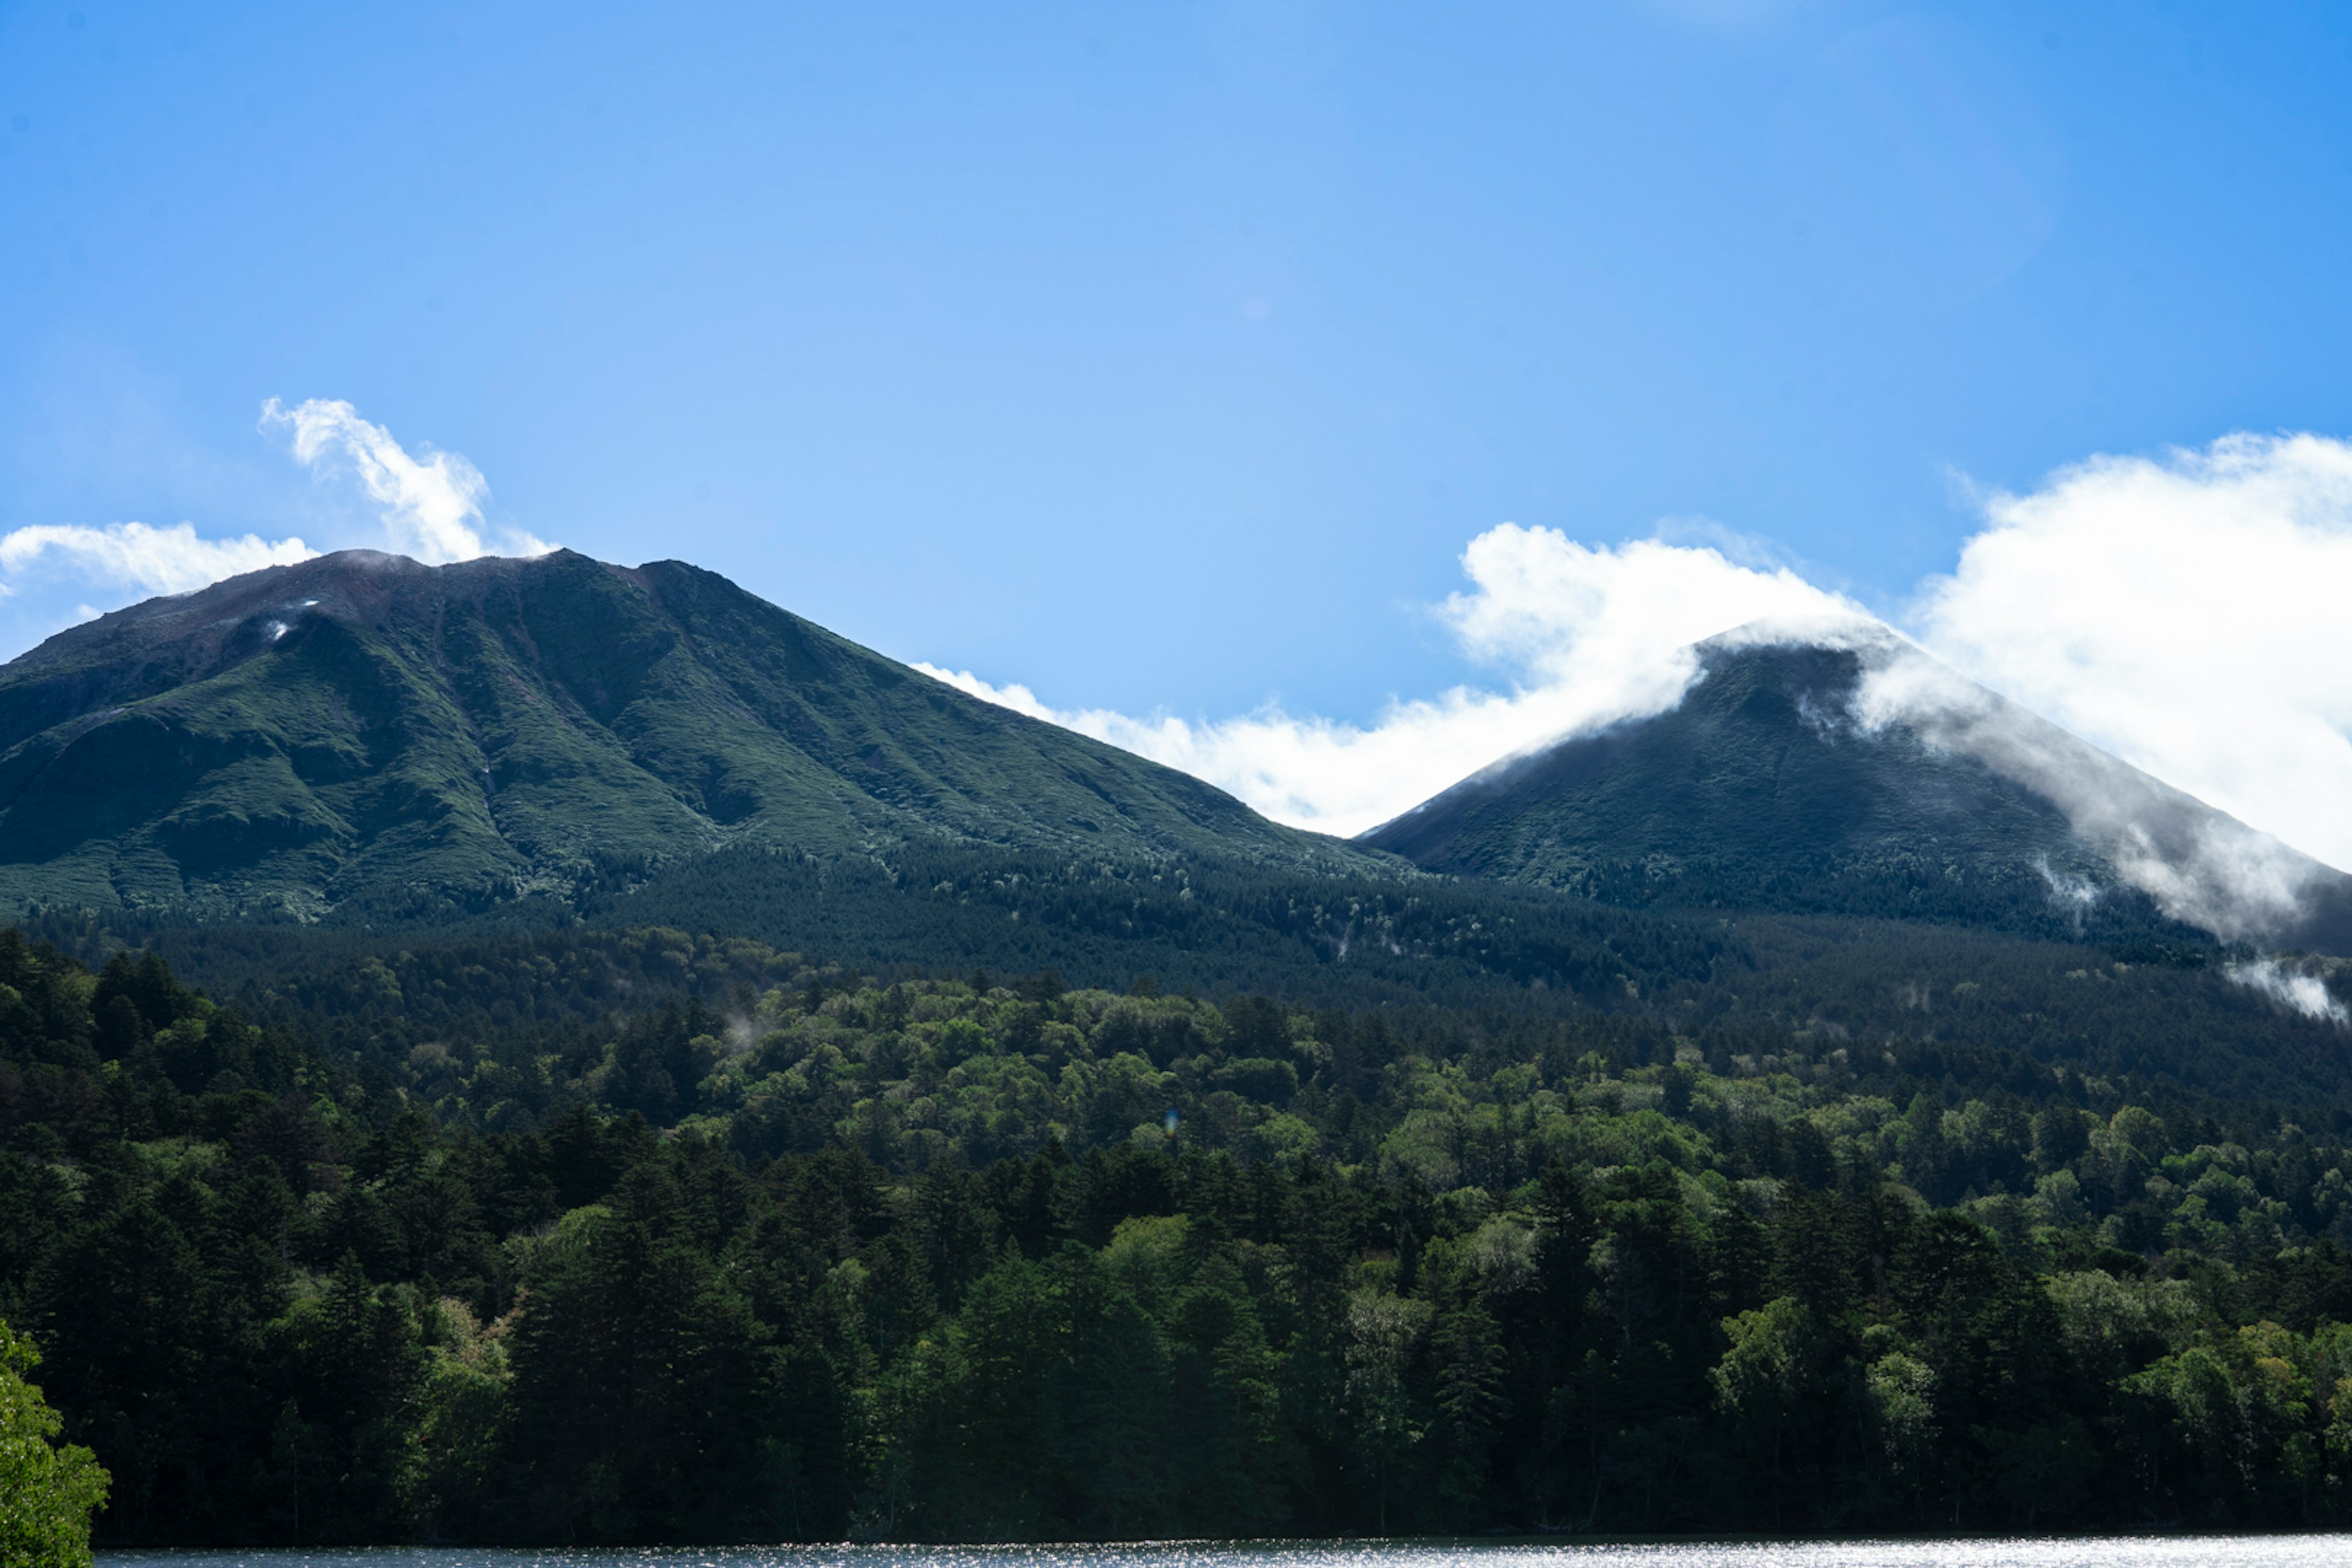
[(1156, 357)]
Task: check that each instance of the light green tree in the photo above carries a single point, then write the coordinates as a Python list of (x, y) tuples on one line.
[(48, 1493), (1383, 1330), (1776, 1382), (1902, 1410)]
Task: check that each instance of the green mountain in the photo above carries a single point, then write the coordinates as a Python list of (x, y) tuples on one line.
[(363, 735), (365, 741), (1867, 779)]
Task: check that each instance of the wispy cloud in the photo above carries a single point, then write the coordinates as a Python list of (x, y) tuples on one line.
[(427, 504), (2291, 988), (174, 559), (430, 505), (2207, 868)]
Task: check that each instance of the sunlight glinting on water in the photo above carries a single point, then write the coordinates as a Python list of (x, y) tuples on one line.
[(2117, 1551)]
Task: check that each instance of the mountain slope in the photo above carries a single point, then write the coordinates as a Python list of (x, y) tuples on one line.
[(1867, 779), (362, 730)]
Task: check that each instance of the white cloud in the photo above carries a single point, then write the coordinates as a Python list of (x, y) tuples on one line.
[(430, 506), (172, 560), (1615, 623), (1587, 635), (2291, 988), (2189, 615), (2185, 613)]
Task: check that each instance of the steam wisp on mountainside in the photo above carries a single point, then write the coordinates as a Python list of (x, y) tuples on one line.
[(2200, 864)]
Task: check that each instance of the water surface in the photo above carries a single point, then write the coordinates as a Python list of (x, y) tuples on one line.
[(2115, 1551)]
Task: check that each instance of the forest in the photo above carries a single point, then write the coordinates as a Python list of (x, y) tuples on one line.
[(633, 1235)]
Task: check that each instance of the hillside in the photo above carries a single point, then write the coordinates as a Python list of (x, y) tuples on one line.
[(1785, 779), (365, 737)]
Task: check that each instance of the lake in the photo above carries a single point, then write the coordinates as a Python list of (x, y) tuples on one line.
[(2115, 1551)]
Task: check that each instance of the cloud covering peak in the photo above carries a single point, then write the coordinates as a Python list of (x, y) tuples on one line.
[(2184, 612), (1585, 636)]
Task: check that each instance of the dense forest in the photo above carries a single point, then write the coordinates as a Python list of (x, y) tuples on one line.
[(632, 1235)]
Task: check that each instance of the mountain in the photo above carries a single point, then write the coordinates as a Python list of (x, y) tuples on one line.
[(1863, 778), (365, 739), (366, 734)]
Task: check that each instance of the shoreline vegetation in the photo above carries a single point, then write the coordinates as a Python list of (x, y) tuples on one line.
[(2155, 1547), (635, 1237)]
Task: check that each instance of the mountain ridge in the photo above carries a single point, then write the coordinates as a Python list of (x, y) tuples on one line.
[(363, 736), (1858, 776), (292, 739)]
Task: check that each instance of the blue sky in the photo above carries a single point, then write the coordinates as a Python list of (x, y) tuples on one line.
[(1158, 357)]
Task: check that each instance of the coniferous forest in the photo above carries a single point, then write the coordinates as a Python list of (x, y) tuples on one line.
[(629, 1235)]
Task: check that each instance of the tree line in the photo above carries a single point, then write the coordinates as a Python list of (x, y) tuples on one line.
[(787, 1252)]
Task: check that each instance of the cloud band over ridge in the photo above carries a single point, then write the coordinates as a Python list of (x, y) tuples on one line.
[(2185, 612), (1590, 636)]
